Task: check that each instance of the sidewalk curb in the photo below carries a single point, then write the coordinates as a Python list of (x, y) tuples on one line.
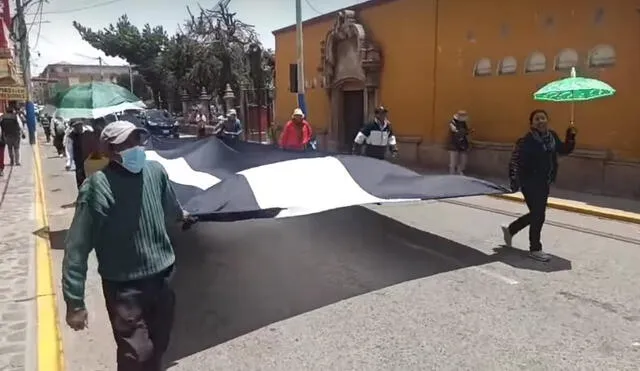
[(620, 216), (49, 340)]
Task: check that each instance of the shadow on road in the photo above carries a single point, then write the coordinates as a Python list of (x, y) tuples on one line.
[(233, 278), (520, 259)]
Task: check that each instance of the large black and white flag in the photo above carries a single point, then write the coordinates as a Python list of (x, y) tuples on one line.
[(216, 182)]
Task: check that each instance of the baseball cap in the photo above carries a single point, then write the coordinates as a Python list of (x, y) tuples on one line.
[(118, 131)]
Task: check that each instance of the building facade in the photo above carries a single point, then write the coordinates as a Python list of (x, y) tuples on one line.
[(60, 76), (425, 59), (12, 86)]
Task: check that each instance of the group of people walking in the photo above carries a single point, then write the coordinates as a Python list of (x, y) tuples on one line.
[(123, 205), (532, 169)]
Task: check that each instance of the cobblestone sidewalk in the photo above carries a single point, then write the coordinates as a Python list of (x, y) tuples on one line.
[(17, 261)]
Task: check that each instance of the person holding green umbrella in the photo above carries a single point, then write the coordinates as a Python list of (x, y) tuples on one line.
[(534, 163), (532, 169)]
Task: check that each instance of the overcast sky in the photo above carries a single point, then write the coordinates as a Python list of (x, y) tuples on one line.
[(56, 40)]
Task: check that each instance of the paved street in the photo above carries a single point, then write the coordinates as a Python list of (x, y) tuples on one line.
[(17, 247), (403, 287)]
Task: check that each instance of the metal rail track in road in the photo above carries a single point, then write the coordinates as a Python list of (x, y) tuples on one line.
[(590, 231)]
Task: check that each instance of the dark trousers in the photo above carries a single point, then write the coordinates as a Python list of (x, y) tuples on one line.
[(535, 196), (47, 133), (141, 314), (58, 142), (80, 175), (13, 146), (2, 148)]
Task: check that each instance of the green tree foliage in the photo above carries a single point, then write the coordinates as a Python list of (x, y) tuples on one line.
[(212, 49), (140, 88), (140, 47)]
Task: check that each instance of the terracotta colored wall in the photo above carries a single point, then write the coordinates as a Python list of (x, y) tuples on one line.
[(405, 66), (498, 105), (317, 99)]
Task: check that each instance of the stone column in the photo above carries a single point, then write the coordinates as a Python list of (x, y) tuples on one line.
[(229, 98), (205, 102)]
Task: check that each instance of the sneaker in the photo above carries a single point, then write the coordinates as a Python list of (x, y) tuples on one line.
[(18, 164), (506, 234), (539, 256)]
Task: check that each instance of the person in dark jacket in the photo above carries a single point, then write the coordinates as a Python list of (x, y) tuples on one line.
[(11, 127), (533, 168), (458, 143), (58, 136), (78, 150), (378, 137)]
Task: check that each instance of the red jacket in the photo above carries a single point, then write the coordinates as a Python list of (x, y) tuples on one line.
[(293, 138)]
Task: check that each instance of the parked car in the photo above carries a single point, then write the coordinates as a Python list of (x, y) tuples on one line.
[(160, 123)]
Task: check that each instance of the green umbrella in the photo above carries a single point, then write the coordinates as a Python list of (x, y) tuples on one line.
[(574, 89), (95, 99)]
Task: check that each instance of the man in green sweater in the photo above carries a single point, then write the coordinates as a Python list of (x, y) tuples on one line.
[(121, 213)]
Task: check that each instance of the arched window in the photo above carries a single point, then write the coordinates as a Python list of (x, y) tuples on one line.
[(508, 66), (536, 62), (566, 59), (482, 67), (602, 56)]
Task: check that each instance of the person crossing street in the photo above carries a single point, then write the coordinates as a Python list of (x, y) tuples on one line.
[(378, 137)]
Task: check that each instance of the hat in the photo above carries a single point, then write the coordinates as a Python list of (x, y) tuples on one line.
[(381, 109), (232, 112), (298, 112), (460, 115), (118, 131)]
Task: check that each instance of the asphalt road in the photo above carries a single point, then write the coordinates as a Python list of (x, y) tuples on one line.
[(403, 287)]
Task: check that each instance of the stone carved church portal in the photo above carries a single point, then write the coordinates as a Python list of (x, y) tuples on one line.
[(351, 64)]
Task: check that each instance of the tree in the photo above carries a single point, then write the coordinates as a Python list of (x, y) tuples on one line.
[(212, 49), (139, 47), (140, 88)]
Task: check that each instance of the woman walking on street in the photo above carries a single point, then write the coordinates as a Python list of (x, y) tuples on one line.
[(533, 168)]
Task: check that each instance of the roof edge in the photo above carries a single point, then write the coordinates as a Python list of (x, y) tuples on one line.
[(327, 16)]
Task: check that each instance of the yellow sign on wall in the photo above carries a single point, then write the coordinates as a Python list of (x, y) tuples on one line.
[(13, 93)]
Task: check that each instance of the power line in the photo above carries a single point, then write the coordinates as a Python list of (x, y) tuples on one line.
[(312, 7), (35, 45), (38, 12), (73, 53), (87, 7)]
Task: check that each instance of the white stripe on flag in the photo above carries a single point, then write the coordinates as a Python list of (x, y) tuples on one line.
[(306, 186), (180, 172)]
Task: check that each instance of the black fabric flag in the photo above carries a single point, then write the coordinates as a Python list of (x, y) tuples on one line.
[(219, 183)]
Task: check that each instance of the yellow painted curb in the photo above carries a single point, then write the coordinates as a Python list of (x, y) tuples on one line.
[(617, 215), (49, 345)]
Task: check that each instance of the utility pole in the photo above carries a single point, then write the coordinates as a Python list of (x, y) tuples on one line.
[(25, 60), (101, 72), (130, 78), (300, 55)]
